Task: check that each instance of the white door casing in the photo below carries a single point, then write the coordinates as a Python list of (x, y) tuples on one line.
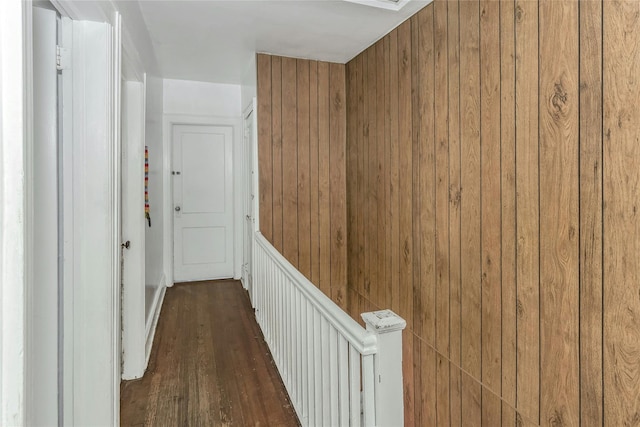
[(95, 299), (202, 175), (249, 198), (43, 384), (133, 230)]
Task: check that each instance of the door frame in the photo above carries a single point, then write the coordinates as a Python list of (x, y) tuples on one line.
[(133, 229), (250, 110), (169, 121), (15, 125)]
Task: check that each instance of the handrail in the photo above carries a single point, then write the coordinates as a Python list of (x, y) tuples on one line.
[(364, 341)]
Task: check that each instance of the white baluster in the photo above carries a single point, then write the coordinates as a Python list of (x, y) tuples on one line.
[(354, 386), (343, 380), (368, 391), (333, 351)]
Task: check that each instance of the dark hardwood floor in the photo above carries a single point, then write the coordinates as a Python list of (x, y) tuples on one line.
[(209, 365)]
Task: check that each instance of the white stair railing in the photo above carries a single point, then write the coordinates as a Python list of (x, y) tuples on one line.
[(336, 372)]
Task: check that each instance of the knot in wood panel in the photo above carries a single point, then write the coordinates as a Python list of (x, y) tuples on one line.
[(455, 196), (519, 309), (519, 14), (556, 419), (559, 98), (337, 101)]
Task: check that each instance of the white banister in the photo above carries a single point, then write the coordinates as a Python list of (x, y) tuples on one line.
[(336, 372)]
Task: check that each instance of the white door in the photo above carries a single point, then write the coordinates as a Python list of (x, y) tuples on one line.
[(202, 202)]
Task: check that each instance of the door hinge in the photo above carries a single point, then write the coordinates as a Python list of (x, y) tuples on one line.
[(63, 58)]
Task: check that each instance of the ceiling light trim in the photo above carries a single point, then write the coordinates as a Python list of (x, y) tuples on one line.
[(394, 5)]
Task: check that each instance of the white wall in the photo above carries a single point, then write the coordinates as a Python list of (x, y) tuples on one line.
[(154, 235), (202, 99), (249, 83), (208, 101), (13, 276)]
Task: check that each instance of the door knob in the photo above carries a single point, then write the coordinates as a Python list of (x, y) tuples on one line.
[(177, 208)]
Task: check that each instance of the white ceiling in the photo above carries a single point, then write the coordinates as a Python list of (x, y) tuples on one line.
[(214, 40)]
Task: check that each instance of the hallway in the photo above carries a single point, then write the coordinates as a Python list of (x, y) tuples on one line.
[(209, 365)]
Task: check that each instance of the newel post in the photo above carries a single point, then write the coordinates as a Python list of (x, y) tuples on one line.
[(389, 399)]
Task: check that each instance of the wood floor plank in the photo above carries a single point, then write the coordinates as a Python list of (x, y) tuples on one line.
[(209, 365)]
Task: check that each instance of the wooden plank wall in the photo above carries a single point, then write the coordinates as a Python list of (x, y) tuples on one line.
[(493, 184), (302, 167)]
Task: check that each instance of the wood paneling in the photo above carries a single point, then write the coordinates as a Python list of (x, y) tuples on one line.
[(470, 195), (621, 268), (490, 193), (508, 210), (491, 175), (454, 166), (510, 191), (265, 149), (289, 160), (405, 165), (527, 211), (337, 184), (323, 178), (559, 256), (276, 135), (591, 229), (302, 167)]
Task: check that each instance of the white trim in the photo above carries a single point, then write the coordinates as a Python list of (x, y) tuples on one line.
[(13, 137), (115, 194), (251, 108), (67, 189), (156, 308), (394, 5), (43, 385), (96, 211), (170, 120), (133, 230), (256, 180), (67, 9), (30, 357)]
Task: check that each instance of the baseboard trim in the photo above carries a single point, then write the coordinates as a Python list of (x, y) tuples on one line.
[(151, 326)]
